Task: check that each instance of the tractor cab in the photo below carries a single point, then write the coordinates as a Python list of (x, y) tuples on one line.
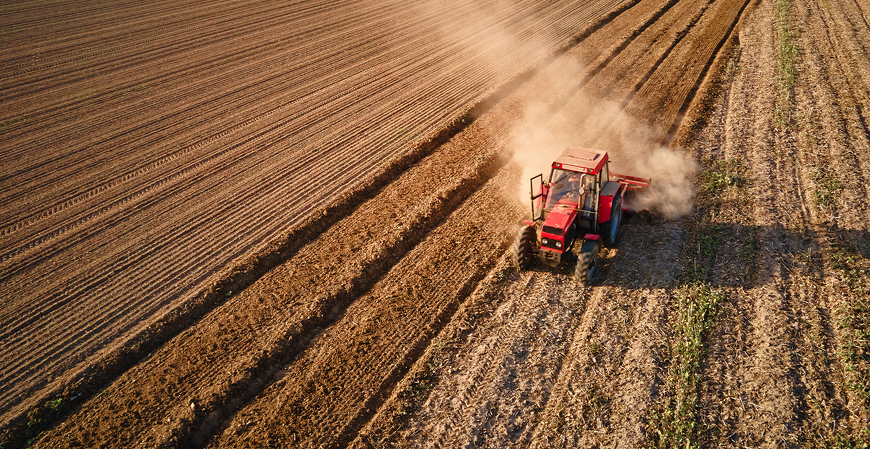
[(577, 176), (581, 200), (568, 191), (567, 205)]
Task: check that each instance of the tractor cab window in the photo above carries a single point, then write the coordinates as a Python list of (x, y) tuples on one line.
[(605, 174), (568, 185)]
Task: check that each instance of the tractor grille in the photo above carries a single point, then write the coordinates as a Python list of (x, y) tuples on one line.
[(552, 230)]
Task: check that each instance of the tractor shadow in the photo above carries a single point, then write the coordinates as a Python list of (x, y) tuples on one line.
[(655, 254)]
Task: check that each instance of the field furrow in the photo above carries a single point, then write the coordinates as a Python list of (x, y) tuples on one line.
[(333, 387)]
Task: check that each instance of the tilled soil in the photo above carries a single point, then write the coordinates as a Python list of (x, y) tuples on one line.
[(392, 315), (147, 149), (775, 366)]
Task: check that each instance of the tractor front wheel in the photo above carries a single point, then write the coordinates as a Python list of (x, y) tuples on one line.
[(523, 249), (587, 263)]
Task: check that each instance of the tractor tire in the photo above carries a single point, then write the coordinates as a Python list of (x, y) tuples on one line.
[(523, 249), (610, 229), (587, 267)]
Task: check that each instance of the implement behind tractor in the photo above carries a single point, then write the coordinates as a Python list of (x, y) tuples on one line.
[(582, 202)]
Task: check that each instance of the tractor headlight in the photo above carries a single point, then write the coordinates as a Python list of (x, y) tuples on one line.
[(558, 244), (545, 241)]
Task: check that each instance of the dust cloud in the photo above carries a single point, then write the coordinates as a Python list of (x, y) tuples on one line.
[(633, 146), (561, 115)]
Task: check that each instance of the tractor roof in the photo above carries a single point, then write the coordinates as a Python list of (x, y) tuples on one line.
[(583, 160)]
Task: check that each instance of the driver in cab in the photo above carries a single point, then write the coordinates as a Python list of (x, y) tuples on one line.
[(576, 189)]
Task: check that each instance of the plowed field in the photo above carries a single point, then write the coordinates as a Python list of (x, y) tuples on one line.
[(260, 224)]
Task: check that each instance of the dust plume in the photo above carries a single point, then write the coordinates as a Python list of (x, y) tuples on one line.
[(672, 191), (561, 115), (633, 146)]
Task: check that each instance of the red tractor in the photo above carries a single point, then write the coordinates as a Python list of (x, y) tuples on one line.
[(583, 203)]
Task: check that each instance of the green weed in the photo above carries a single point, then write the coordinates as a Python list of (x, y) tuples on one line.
[(677, 421), (13, 124), (732, 65), (709, 241), (594, 349), (721, 181), (827, 186), (854, 319), (593, 412), (841, 441), (557, 422), (696, 273), (33, 420), (719, 175), (787, 58), (420, 387)]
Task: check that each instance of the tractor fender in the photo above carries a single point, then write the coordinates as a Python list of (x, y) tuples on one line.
[(604, 205), (610, 191)]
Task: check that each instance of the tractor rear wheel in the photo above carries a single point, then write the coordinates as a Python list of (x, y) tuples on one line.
[(610, 228), (587, 267), (523, 249)]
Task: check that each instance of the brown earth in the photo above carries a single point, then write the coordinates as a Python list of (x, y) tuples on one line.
[(167, 148), (147, 148)]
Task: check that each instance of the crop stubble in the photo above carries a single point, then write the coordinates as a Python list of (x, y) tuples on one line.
[(775, 369)]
